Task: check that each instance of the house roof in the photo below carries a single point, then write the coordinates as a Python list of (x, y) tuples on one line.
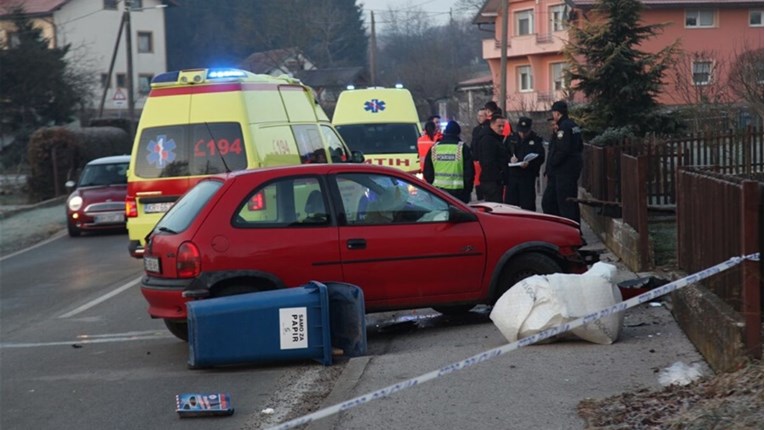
[(32, 7), (332, 77), (480, 82), (490, 9), (265, 61)]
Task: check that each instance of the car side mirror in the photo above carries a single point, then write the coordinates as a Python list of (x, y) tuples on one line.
[(69, 185), (458, 215), (357, 157)]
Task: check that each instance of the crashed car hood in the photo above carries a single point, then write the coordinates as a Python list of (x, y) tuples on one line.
[(515, 211)]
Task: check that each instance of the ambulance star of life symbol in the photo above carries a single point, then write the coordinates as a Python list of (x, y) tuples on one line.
[(160, 151), (374, 105)]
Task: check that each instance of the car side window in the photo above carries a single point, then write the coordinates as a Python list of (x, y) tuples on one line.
[(337, 150), (287, 202), (381, 199)]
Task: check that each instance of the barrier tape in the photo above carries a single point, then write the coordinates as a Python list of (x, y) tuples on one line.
[(496, 352)]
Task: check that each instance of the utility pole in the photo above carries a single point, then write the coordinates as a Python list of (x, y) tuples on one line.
[(372, 52), (107, 84), (129, 49), (503, 60)]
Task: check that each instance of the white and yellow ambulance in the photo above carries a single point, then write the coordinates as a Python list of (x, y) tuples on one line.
[(200, 122), (382, 123)]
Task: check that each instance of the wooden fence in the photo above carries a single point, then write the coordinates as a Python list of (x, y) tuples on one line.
[(718, 217)]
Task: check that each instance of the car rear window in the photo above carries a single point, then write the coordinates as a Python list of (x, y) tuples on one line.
[(380, 138), (183, 212), (190, 149)]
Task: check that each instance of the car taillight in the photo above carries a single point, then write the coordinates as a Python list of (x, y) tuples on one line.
[(131, 209), (188, 264)]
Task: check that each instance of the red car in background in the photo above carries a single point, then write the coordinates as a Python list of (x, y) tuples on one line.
[(404, 242), (97, 200)]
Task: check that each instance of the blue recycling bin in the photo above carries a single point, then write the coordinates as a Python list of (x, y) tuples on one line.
[(278, 325), (267, 326)]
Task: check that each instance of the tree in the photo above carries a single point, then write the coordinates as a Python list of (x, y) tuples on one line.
[(37, 86), (746, 78), (619, 81)]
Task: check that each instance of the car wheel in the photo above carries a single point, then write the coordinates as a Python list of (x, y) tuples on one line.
[(179, 328), (72, 230), (523, 266), (453, 310)]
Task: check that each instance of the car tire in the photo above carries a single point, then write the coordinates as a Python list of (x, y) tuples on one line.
[(72, 230), (523, 266), (179, 328), (453, 310)]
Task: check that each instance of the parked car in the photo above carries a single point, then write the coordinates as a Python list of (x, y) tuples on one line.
[(97, 200), (404, 242)]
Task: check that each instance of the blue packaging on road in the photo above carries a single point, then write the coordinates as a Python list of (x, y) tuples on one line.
[(202, 405)]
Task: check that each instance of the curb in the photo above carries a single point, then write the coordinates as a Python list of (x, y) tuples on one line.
[(7, 213), (343, 386)]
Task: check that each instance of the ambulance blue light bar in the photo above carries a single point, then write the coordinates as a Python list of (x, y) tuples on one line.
[(399, 86), (225, 73)]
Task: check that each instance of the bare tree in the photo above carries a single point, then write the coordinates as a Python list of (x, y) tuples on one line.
[(746, 77)]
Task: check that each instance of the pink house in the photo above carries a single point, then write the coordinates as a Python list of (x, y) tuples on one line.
[(712, 36)]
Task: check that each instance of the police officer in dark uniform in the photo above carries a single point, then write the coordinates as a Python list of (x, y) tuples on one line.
[(493, 159), (521, 179), (564, 165)]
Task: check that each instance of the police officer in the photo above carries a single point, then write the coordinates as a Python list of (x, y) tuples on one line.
[(521, 179), (493, 158), (449, 164), (564, 165)]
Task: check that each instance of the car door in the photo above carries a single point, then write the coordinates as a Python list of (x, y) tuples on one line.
[(398, 245)]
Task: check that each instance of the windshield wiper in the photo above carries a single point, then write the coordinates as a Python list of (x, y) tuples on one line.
[(167, 230)]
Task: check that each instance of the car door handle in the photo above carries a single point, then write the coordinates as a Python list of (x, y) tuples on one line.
[(356, 244)]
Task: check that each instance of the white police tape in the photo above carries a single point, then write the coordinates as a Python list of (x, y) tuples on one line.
[(496, 352)]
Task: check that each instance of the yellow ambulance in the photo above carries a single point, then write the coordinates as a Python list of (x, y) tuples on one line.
[(200, 122), (382, 123)]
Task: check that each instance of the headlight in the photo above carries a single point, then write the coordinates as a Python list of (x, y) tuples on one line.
[(75, 203)]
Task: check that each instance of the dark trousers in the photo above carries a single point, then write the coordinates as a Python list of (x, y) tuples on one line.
[(492, 191), (463, 195), (555, 198), (521, 191)]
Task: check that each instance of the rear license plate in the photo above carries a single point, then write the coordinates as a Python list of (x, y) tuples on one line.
[(151, 264), (109, 218), (154, 208)]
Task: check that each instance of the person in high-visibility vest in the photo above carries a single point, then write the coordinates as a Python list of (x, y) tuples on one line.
[(449, 164), (430, 135)]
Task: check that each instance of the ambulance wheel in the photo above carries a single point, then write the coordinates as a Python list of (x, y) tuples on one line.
[(179, 328), (453, 310), (72, 230), (523, 266)]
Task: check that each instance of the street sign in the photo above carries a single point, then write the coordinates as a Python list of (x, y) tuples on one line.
[(119, 98)]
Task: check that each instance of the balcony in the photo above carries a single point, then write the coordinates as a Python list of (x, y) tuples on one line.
[(521, 46)]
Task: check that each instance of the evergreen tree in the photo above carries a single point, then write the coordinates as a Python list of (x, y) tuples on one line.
[(37, 86), (619, 81)]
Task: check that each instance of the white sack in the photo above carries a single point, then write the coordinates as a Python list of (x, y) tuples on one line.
[(538, 303)]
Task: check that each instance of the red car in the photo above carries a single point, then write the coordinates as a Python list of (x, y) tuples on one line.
[(404, 242), (97, 201)]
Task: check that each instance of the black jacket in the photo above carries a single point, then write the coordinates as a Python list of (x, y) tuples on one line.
[(492, 156), (468, 170), (565, 150), (533, 143)]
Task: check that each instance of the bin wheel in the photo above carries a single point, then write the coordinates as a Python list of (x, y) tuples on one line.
[(179, 328), (453, 310), (523, 266)]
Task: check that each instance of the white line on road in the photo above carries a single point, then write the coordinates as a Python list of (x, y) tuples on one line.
[(123, 337), (58, 235), (101, 299)]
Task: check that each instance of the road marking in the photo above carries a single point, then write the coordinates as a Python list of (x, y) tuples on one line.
[(93, 339), (101, 299), (56, 236)]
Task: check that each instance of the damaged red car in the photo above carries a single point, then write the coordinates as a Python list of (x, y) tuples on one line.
[(404, 242)]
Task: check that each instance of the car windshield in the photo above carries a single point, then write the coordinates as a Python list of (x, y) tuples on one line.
[(183, 212), (103, 174), (380, 138)]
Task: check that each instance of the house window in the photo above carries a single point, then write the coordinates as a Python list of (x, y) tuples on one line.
[(105, 81), (556, 74), (121, 80), (702, 72), (755, 18), (144, 84), (699, 18), (136, 5), (145, 42), (558, 18), (524, 78), (524, 22), (110, 4)]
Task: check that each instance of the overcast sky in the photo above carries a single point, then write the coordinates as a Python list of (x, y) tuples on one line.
[(436, 9)]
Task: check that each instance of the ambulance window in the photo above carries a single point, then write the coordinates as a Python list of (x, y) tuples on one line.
[(380, 138), (287, 202), (309, 144), (216, 148), (337, 150)]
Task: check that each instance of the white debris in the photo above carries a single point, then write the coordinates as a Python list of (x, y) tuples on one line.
[(267, 411), (680, 373)]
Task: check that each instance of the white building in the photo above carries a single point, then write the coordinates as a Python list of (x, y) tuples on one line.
[(92, 28)]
